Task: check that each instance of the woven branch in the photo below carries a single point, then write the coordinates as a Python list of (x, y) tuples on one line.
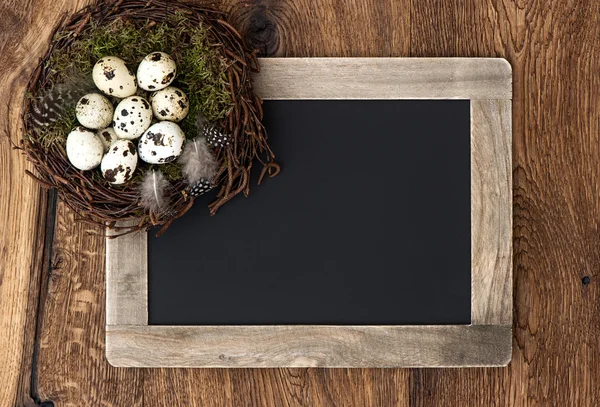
[(95, 200)]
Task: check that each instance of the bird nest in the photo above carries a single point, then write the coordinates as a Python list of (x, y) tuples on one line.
[(216, 67)]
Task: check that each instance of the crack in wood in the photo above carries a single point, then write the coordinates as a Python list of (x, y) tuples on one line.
[(46, 271)]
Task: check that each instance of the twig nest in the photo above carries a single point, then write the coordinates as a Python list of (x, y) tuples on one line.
[(107, 137), (94, 111), (133, 116), (112, 77), (170, 104), (84, 149), (213, 68), (162, 143), (118, 165), (156, 71)]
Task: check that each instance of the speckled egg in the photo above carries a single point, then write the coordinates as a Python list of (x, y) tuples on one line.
[(118, 165), (156, 71), (133, 116), (107, 137), (162, 143), (111, 76), (84, 149), (170, 104), (94, 111)]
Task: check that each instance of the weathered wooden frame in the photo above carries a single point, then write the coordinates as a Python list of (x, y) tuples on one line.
[(487, 341)]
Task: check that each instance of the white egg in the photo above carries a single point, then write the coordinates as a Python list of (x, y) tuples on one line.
[(112, 77), (84, 149), (170, 104), (118, 165), (162, 143), (107, 137), (94, 111), (133, 116), (156, 71)]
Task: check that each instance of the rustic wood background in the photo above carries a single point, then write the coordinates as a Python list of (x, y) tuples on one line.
[(52, 269)]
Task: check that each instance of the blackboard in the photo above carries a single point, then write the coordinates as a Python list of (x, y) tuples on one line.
[(394, 207), (367, 224)]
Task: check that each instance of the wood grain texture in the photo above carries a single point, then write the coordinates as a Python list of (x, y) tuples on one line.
[(384, 78), (352, 28), (553, 49), (276, 387), (308, 346), (22, 203), (491, 212), (127, 278), (554, 52), (71, 367)]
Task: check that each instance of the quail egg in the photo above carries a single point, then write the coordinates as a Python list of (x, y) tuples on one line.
[(84, 149), (118, 165), (107, 137), (133, 116), (94, 111), (170, 104), (112, 77), (162, 143), (156, 71)]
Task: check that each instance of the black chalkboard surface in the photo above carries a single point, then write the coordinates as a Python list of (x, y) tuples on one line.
[(368, 223)]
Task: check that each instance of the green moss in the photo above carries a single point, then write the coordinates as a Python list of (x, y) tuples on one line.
[(201, 69), (202, 74)]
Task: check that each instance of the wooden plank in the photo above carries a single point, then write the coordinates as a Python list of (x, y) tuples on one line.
[(276, 387), (308, 346), (491, 212), (556, 145), (71, 368), (384, 78), (127, 278), (37, 288), (22, 203)]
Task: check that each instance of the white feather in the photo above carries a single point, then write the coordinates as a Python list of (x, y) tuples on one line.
[(153, 190), (197, 161)]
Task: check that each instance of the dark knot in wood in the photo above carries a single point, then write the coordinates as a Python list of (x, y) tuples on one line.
[(262, 32)]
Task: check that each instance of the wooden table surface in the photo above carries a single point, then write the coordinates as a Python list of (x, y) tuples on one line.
[(52, 268)]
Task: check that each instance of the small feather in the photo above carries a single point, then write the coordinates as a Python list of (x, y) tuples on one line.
[(197, 161), (61, 98), (153, 190)]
